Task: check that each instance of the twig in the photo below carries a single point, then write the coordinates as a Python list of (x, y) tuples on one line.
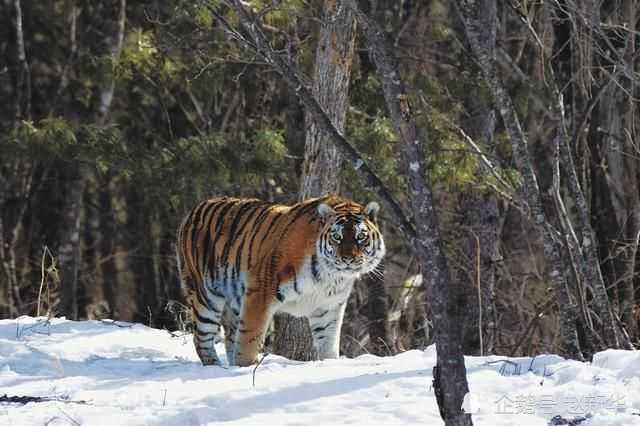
[(112, 322), (364, 349), (71, 419), (548, 304), (50, 270), (475, 236), (256, 367)]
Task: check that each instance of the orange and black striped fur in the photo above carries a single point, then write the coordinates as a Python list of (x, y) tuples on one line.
[(247, 259)]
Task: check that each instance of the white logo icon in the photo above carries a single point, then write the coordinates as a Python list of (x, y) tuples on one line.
[(470, 403)]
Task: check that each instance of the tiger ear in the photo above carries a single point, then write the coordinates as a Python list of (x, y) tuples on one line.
[(371, 210), (324, 210)]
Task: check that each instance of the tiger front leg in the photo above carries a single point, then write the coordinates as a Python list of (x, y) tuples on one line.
[(326, 324), (252, 327)]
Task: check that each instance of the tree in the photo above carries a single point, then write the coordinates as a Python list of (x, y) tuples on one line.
[(581, 260), (107, 49), (450, 382), (449, 374), (481, 215), (322, 160)]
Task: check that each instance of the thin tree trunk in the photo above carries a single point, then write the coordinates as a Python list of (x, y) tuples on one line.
[(557, 270), (22, 101), (322, 163), (585, 20), (481, 218), (142, 282), (377, 314), (109, 47), (449, 378), (69, 250), (108, 270), (631, 12)]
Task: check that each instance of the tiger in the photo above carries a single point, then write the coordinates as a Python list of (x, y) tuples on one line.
[(243, 260)]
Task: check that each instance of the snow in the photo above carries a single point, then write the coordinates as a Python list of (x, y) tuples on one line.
[(113, 373)]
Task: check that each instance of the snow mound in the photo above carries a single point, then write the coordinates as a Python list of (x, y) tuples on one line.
[(115, 373)]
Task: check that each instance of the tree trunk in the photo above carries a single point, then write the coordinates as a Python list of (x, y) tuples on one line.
[(142, 281), (22, 100), (449, 375), (557, 269), (481, 218), (377, 314), (617, 117), (586, 25), (107, 247), (69, 249), (107, 49), (322, 163)]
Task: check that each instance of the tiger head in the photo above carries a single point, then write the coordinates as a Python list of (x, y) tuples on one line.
[(350, 242)]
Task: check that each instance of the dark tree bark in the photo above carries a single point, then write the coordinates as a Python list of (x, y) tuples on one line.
[(377, 313), (22, 100), (614, 119), (449, 377), (581, 34), (558, 270), (322, 160), (140, 246), (334, 55), (112, 25), (107, 247), (481, 218), (69, 255)]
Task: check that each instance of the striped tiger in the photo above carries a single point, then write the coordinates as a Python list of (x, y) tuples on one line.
[(246, 260)]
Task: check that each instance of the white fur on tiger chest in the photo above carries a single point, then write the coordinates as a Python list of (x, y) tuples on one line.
[(307, 294)]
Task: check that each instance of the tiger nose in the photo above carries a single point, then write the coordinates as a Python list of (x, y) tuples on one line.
[(350, 251)]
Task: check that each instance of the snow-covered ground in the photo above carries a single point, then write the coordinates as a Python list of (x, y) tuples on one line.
[(106, 373)]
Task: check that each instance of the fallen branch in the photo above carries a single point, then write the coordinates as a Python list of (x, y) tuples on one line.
[(27, 399)]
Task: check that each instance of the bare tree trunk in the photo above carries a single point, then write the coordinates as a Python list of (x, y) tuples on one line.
[(107, 49), (69, 250), (631, 13), (22, 101), (481, 218), (322, 163), (142, 282), (585, 19), (15, 175), (377, 314), (449, 376), (617, 125), (557, 269), (107, 247)]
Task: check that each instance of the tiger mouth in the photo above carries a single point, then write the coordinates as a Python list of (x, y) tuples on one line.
[(358, 267)]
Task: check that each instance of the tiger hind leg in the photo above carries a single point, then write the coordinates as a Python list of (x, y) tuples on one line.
[(207, 308), (230, 324)]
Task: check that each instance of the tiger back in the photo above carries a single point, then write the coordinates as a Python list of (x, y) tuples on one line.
[(245, 260)]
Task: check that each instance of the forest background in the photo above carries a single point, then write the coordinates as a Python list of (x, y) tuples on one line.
[(117, 117)]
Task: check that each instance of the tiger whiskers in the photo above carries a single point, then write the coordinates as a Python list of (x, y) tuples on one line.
[(377, 273)]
